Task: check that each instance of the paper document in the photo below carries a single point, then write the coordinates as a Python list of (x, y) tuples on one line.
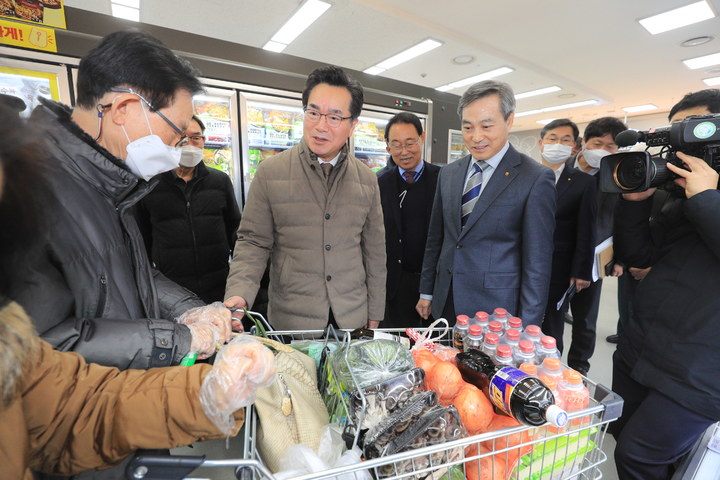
[(602, 264)]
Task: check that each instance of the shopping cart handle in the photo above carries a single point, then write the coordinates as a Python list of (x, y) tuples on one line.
[(612, 402), (162, 467)]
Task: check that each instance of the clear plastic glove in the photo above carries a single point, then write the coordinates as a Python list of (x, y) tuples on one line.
[(205, 339), (241, 367), (215, 313)]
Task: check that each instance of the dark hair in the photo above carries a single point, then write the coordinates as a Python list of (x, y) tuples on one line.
[(26, 199), (602, 126), (137, 60), (489, 87), (404, 117), (709, 98), (560, 122), (199, 122), (336, 77)]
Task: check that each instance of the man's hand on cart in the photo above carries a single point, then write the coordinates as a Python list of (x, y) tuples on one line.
[(205, 340), (423, 308), (237, 306), (372, 324)]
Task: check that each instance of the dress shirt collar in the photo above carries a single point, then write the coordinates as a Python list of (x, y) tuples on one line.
[(492, 161), (558, 172), (419, 168)]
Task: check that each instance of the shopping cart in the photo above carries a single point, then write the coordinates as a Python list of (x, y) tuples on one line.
[(530, 453)]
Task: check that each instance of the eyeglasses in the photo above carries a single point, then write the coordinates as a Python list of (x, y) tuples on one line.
[(398, 147), (151, 107), (191, 138), (332, 119)]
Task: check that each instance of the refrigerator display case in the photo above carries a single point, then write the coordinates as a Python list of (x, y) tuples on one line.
[(369, 139), (217, 109), (456, 146), (30, 81), (272, 125)]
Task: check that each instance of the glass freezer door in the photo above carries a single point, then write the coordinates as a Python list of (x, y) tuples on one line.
[(270, 125), (217, 109), (369, 138), (30, 81)]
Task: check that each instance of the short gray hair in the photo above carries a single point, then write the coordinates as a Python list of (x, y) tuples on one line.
[(489, 87)]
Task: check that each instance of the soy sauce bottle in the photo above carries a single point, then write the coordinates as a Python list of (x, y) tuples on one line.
[(515, 393)]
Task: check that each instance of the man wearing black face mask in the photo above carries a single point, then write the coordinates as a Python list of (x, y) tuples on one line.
[(92, 290), (189, 221)]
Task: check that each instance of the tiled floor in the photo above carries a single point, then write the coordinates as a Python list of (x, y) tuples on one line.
[(600, 372)]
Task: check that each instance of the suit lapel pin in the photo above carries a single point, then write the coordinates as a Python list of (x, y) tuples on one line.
[(507, 174)]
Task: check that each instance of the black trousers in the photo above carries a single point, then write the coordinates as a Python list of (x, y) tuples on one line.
[(585, 306), (400, 310), (653, 432), (626, 296)]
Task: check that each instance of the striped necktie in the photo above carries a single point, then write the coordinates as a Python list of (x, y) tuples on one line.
[(471, 192)]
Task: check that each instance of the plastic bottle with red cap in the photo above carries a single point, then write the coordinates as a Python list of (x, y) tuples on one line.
[(474, 338), (496, 327), (532, 333), (490, 343), (525, 353), (460, 331), (482, 319), (504, 355), (511, 337), (529, 368), (547, 348), (501, 315), (516, 323)]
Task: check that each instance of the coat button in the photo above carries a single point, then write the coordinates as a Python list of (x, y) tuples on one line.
[(327, 247), (458, 246), (328, 278), (400, 240), (399, 261), (327, 216), (163, 342), (162, 356)]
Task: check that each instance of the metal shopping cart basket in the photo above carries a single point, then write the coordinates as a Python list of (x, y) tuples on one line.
[(518, 453)]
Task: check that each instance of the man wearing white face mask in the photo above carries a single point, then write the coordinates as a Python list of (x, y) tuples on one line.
[(93, 290), (598, 142), (189, 221), (574, 237)]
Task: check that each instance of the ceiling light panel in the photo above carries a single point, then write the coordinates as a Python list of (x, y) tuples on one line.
[(274, 46), (712, 82), (128, 3), (302, 19), (641, 108), (546, 121), (702, 62), (412, 52), (679, 17), (476, 78), (128, 13), (556, 107), (539, 91)]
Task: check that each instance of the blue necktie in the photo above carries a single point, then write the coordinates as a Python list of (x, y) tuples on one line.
[(471, 192)]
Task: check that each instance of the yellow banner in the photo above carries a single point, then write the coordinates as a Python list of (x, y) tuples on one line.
[(28, 36), (47, 13)]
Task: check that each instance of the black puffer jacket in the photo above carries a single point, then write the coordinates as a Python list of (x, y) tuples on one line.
[(93, 290), (189, 229)]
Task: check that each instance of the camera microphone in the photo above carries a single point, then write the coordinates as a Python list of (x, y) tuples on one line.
[(628, 137)]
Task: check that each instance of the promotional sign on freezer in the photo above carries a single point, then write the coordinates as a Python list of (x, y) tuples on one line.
[(29, 82)]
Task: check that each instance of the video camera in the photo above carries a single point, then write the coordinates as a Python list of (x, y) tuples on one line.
[(629, 172)]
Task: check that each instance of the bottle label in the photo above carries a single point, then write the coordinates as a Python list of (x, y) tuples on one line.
[(502, 385)]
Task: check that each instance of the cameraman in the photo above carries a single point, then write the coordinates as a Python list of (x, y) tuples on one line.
[(667, 361)]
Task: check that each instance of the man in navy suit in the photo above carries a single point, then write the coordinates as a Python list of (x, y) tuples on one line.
[(407, 191), (574, 239), (490, 241)]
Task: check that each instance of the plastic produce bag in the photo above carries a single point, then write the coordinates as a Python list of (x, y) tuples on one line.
[(241, 367), (302, 460), (373, 361)]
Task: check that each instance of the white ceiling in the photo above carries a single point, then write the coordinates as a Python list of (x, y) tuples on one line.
[(592, 50)]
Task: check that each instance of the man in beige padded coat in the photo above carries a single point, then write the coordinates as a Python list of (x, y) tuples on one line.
[(315, 211)]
